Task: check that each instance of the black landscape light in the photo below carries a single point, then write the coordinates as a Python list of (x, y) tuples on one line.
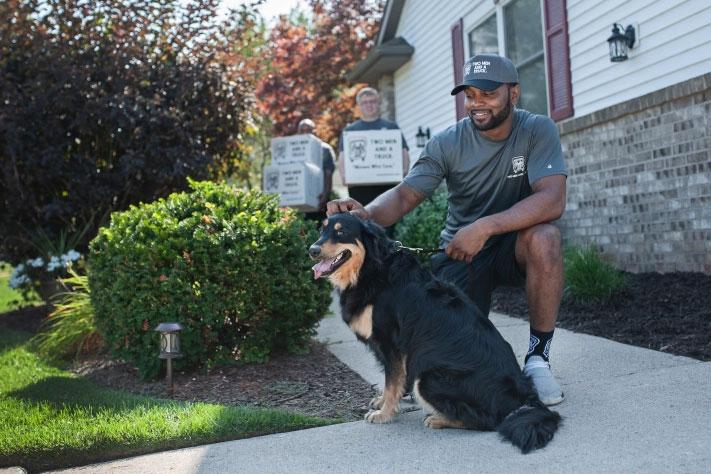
[(620, 42), (169, 347), (422, 137)]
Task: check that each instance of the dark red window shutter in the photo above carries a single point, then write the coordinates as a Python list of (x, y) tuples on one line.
[(458, 62), (560, 89)]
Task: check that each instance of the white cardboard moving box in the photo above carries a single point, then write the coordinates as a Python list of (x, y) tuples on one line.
[(298, 185), (373, 156), (296, 149)]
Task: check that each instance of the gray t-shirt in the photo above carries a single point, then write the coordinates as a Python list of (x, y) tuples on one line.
[(483, 176)]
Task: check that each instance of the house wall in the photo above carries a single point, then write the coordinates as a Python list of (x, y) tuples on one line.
[(639, 145), (639, 187), (674, 46)]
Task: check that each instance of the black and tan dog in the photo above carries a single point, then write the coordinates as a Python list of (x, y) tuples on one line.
[(429, 337)]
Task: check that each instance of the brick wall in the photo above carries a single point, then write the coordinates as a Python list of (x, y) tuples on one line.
[(639, 185)]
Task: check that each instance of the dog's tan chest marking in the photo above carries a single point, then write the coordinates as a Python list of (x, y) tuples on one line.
[(362, 324)]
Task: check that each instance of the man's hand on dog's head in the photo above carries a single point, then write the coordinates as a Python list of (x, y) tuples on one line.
[(347, 205)]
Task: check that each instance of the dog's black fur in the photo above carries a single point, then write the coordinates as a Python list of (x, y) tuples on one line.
[(430, 337)]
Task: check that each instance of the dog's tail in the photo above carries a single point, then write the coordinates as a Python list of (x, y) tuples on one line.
[(530, 427)]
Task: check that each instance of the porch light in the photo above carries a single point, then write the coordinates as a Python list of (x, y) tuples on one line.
[(422, 137), (620, 42), (169, 347)]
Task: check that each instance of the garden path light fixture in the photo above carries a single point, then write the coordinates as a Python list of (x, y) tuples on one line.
[(422, 137), (169, 347), (620, 42)]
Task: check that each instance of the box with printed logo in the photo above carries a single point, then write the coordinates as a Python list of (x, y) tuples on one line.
[(373, 156), (298, 185), (296, 149)]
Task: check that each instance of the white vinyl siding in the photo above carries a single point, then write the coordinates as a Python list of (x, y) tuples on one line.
[(674, 45)]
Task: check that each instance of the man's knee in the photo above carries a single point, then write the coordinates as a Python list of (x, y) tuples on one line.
[(540, 244)]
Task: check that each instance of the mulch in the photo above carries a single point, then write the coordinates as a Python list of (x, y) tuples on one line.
[(666, 312), (669, 313)]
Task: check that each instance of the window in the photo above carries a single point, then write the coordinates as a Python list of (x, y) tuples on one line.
[(483, 38), (520, 34), (524, 45)]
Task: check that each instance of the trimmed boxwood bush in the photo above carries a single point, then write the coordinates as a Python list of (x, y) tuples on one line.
[(230, 266)]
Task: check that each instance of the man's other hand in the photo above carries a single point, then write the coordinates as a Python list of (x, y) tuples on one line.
[(347, 205), (468, 241)]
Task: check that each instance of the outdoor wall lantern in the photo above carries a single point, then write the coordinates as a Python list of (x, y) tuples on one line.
[(169, 347), (422, 137), (619, 42)]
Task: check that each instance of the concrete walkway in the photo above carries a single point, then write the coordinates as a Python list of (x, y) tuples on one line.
[(627, 410)]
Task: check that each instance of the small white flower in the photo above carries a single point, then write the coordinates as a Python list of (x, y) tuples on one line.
[(54, 264), (18, 277), (36, 262), (71, 256)]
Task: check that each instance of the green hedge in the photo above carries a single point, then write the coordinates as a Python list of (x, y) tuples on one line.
[(230, 266), (422, 226)]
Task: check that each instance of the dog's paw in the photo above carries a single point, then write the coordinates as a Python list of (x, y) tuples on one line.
[(376, 403), (434, 422), (378, 416), (437, 422)]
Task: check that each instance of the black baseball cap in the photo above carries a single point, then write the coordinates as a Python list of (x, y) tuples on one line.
[(487, 72)]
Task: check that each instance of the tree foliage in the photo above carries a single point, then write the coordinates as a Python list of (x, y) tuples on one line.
[(104, 103), (309, 63)]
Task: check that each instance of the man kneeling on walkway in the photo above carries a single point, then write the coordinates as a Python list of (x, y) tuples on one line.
[(506, 181)]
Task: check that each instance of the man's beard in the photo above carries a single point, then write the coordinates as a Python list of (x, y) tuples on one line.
[(495, 120)]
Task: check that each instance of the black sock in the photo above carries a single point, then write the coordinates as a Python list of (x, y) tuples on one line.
[(539, 343)]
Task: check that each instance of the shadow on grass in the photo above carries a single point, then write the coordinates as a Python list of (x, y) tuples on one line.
[(12, 339), (68, 392)]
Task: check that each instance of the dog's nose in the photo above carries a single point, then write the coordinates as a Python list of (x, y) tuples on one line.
[(315, 250)]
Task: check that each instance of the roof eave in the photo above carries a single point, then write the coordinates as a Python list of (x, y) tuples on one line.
[(383, 59)]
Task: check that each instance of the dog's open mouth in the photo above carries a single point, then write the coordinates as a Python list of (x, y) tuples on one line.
[(329, 265)]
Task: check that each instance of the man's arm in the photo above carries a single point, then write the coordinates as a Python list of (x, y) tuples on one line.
[(386, 209), (545, 204)]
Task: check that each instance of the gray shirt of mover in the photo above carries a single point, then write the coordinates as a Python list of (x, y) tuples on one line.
[(483, 176)]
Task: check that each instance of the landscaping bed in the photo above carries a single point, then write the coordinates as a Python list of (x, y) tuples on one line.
[(665, 312), (670, 313)]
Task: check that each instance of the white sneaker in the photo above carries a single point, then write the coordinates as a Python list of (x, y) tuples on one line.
[(548, 389)]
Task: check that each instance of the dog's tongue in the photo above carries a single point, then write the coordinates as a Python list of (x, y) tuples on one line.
[(321, 267)]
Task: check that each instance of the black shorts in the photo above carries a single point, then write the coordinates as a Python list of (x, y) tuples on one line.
[(492, 267)]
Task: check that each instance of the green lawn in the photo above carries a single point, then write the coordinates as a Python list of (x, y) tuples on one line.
[(53, 419), (9, 298)]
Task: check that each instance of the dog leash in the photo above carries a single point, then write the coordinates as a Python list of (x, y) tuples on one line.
[(397, 246)]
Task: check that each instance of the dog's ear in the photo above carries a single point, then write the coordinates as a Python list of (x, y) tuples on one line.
[(374, 240)]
